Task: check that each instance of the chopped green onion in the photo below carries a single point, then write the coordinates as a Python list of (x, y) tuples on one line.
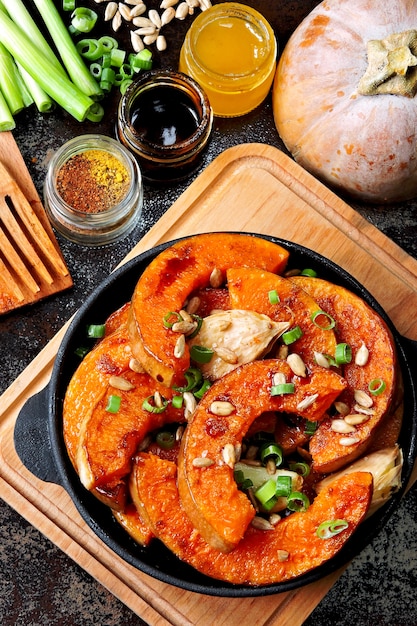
[(117, 57), (96, 331), (96, 70), (8, 82), (266, 494), (194, 377), (308, 272), (271, 450), (292, 335), (282, 389), (201, 354), (113, 404), (96, 113), (142, 60), (310, 427), (149, 405), (283, 486), (90, 49), (165, 440), (108, 42), (68, 5), (323, 320), (125, 84), (177, 402), (343, 354), (83, 19), (298, 501), (200, 392), (82, 351), (171, 318), (273, 296), (126, 70), (376, 386), (72, 60), (301, 467), (199, 321), (330, 528), (242, 482)]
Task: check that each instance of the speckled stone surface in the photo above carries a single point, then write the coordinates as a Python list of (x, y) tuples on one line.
[(41, 586)]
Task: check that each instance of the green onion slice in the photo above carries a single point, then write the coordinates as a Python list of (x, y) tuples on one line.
[(200, 392), (142, 60), (149, 405), (376, 386), (108, 42), (292, 335), (266, 494), (323, 320), (310, 427), (282, 389), (273, 296), (177, 401), (171, 318), (283, 486), (165, 440), (301, 467), (201, 354), (90, 49), (308, 272), (82, 351), (271, 450), (298, 501), (83, 19), (343, 354), (194, 377), (330, 528), (113, 404), (242, 482), (96, 112), (199, 321), (96, 331)]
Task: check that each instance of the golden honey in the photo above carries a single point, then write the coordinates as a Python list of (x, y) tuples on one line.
[(231, 50)]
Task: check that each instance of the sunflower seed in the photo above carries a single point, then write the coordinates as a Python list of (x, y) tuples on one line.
[(190, 404), (356, 418), (228, 454), (279, 379), (342, 408), (362, 398), (137, 10), (340, 426), (125, 12), (216, 276), (297, 365), (307, 402), (181, 11), (142, 22), (136, 41), (261, 523), (110, 11), (166, 4), (179, 348), (362, 355), (202, 462), (161, 43), (283, 555), (118, 382), (321, 360), (116, 21), (193, 304), (148, 40), (349, 441), (146, 31), (136, 366), (222, 408), (155, 18)]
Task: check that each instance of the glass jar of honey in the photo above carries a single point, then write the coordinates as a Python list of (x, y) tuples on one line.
[(165, 120), (231, 50)]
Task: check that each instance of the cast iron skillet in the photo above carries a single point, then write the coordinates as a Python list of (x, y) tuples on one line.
[(39, 441)]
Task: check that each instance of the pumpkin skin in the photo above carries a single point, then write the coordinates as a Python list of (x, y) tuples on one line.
[(364, 145)]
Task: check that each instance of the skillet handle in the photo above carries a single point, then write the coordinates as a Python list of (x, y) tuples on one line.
[(31, 438)]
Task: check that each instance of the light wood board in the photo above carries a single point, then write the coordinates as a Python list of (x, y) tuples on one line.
[(252, 188)]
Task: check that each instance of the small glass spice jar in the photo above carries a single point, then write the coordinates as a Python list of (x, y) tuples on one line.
[(93, 192), (231, 51), (165, 120)]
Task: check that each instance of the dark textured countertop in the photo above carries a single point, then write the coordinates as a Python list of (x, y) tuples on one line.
[(39, 585)]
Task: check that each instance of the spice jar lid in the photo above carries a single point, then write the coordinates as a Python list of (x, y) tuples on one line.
[(93, 190)]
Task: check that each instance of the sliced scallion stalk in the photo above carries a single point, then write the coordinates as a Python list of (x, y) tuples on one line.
[(301, 467), (282, 389), (149, 405), (165, 439), (90, 49), (290, 336), (96, 331), (273, 296), (201, 354), (283, 486), (113, 404), (271, 450), (298, 501), (200, 392), (376, 386), (83, 19), (323, 320), (343, 354), (308, 272), (330, 528)]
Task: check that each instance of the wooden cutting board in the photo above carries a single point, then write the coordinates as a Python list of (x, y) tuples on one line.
[(252, 188)]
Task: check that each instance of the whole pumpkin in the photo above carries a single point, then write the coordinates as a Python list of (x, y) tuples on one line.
[(344, 97)]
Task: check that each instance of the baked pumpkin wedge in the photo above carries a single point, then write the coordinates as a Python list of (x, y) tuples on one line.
[(209, 494), (371, 376), (100, 439), (290, 549), (168, 281), (132, 522), (251, 289)]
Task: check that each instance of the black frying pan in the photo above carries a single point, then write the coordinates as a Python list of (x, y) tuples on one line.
[(39, 440)]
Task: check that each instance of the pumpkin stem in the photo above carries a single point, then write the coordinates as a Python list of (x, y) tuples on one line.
[(392, 66)]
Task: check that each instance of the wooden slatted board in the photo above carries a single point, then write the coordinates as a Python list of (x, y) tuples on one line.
[(252, 188)]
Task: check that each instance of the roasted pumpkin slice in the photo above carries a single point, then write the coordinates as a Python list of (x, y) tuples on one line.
[(373, 366), (280, 299), (219, 511), (169, 280), (291, 548), (100, 439), (134, 525)]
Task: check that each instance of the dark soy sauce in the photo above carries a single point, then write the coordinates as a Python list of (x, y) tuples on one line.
[(164, 116)]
